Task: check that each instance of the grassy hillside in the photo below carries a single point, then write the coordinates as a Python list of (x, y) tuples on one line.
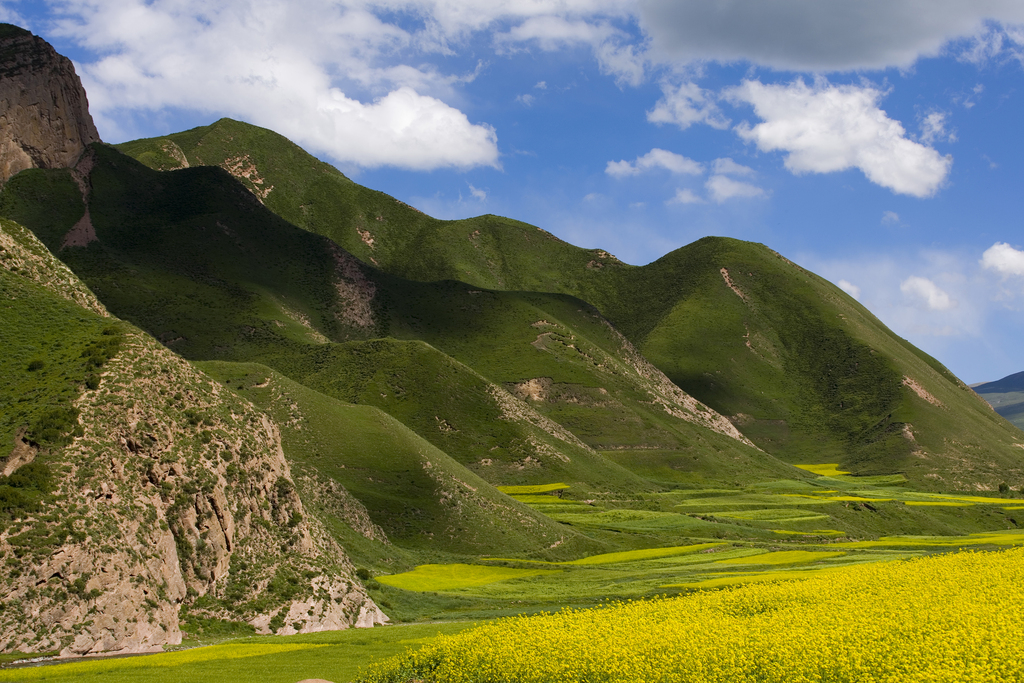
[(802, 369), (194, 259), (489, 251), (1006, 396), (411, 493)]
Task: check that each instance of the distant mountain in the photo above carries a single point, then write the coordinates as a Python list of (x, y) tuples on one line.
[(1006, 396)]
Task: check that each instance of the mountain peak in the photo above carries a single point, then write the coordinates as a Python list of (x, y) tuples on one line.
[(44, 113)]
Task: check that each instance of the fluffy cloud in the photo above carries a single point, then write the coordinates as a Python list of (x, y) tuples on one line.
[(723, 188), (927, 292), (1003, 259), (812, 35), (827, 128), (685, 105), (727, 166), (685, 196), (933, 127), (655, 159), (277, 65), (611, 46)]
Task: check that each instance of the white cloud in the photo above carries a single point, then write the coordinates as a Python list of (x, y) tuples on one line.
[(541, 85), (685, 196), (993, 42), (685, 105), (655, 159), (1003, 259), (722, 188), (9, 16), (526, 99), (277, 65), (815, 35), (927, 292), (890, 218), (477, 192), (850, 288), (933, 127), (611, 46), (827, 128), (727, 166)]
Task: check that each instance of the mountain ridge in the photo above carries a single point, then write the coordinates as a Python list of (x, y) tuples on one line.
[(818, 375)]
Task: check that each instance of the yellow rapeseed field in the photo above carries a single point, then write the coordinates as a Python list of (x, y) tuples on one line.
[(955, 617)]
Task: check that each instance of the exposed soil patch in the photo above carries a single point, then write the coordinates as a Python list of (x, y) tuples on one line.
[(916, 387), (732, 285), (533, 389), (243, 168)]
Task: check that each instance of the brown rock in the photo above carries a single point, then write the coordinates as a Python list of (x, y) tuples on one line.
[(44, 113)]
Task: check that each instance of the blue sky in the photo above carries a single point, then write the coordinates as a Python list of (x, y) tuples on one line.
[(877, 143)]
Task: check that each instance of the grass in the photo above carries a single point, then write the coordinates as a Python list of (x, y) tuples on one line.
[(783, 557), (773, 515), (756, 577), (996, 538), (826, 470), (338, 656), (438, 577), (625, 556), (534, 489)]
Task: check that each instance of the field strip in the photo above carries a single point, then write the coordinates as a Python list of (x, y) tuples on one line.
[(824, 470), (782, 557), (539, 488), (624, 556), (937, 503), (442, 577), (988, 538), (164, 659), (757, 577)]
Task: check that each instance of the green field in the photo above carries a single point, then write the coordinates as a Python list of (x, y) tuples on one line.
[(337, 656)]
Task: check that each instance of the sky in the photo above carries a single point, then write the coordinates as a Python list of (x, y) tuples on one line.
[(877, 143)]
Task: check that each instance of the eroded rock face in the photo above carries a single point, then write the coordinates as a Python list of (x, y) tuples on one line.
[(174, 498), (44, 113)]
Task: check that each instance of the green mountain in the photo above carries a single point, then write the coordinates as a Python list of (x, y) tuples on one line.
[(1006, 396), (803, 371), (195, 260)]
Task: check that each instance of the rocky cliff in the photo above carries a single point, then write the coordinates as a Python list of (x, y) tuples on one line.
[(171, 499), (44, 114)]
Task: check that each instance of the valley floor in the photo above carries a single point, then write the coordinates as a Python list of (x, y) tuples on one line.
[(672, 543)]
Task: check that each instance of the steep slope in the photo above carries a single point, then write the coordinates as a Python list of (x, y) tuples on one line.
[(399, 490), (804, 371), (270, 292), (44, 114), (137, 490), (1006, 396)]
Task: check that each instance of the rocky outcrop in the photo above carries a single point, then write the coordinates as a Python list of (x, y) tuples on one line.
[(174, 498), (44, 113)]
